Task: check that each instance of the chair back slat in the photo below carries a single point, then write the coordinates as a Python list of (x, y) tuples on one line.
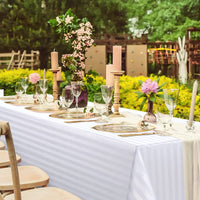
[(5, 130)]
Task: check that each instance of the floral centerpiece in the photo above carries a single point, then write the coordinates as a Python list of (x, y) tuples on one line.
[(150, 90), (77, 34), (34, 78)]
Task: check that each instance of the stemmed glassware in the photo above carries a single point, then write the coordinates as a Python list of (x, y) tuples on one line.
[(67, 98), (100, 106), (43, 84), (76, 90), (163, 115), (171, 98), (24, 83), (107, 93), (19, 90)]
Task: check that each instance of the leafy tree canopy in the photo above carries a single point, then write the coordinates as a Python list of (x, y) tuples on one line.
[(166, 19)]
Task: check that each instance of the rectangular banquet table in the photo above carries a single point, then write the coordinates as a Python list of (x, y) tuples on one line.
[(97, 165)]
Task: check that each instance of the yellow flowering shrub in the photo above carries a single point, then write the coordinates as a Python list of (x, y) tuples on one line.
[(128, 98), (8, 79)]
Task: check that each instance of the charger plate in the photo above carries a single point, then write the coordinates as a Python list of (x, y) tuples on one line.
[(8, 98), (121, 128), (43, 108), (71, 115), (19, 104)]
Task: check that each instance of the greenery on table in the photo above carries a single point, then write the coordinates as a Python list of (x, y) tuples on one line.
[(128, 87)]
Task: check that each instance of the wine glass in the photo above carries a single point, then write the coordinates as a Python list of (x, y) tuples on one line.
[(67, 98), (163, 115), (24, 83), (43, 84), (19, 90), (107, 93), (100, 106), (76, 90), (171, 98)]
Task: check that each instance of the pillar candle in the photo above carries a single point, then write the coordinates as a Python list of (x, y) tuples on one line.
[(192, 107), (54, 60), (59, 74), (109, 75), (117, 57)]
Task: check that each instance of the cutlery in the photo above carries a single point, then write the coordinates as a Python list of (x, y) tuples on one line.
[(135, 134), (77, 121)]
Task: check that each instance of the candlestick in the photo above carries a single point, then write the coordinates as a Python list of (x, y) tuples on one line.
[(54, 60), (109, 75), (116, 104), (192, 107), (59, 74), (117, 57), (55, 84)]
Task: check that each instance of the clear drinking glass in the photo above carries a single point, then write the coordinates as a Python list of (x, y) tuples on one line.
[(107, 94), (171, 98), (76, 90), (24, 83), (163, 116), (100, 106), (67, 98), (19, 90), (43, 84)]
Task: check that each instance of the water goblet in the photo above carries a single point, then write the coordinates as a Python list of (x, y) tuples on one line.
[(171, 98), (19, 91), (107, 93), (76, 90), (43, 84), (100, 106), (163, 116), (67, 99), (24, 83)]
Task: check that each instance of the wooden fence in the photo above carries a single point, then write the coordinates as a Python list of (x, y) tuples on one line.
[(16, 60)]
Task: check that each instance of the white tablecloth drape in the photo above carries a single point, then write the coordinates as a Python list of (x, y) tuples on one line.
[(97, 165)]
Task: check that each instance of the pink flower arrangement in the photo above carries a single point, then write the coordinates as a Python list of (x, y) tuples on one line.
[(34, 78), (149, 87), (149, 91), (77, 34)]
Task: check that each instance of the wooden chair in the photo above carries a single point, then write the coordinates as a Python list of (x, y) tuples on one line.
[(30, 177), (4, 158), (2, 146), (45, 193)]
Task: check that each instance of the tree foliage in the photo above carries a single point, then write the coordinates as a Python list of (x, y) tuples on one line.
[(24, 23), (166, 19)]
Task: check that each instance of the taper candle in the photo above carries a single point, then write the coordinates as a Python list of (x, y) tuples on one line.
[(117, 57), (54, 60), (109, 75), (192, 107)]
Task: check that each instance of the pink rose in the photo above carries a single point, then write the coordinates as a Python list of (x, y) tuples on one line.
[(34, 78), (149, 86)]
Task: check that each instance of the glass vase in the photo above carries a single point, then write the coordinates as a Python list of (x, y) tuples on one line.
[(150, 116)]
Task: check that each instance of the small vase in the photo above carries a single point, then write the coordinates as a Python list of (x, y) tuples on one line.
[(150, 116), (36, 93)]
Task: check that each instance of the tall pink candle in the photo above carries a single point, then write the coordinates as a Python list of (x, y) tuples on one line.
[(54, 60), (59, 74), (109, 75), (117, 57)]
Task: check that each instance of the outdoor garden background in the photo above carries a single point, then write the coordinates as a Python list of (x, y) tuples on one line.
[(24, 26)]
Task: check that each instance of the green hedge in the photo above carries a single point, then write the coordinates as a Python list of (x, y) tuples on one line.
[(128, 86)]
